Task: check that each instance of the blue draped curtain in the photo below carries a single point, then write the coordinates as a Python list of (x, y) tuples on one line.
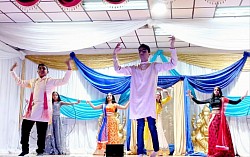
[(241, 109), (222, 78), (81, 111), (104, 83)]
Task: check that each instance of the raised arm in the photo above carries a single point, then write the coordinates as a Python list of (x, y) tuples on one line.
[(174, 57), (243, 97), (122, 107), (197, 101), (237, 101), (124, 70), (68, 63), (167, 99), (173, 61), (172, 41), (94, 107), (70, 103), (22, 83), (115, 58), (65, 79)]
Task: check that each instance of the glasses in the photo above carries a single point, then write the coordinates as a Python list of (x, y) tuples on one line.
[(42, 68), (142, 50)]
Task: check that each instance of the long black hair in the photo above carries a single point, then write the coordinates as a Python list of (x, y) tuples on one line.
[(113, 99), (220, 93), (59, 99)]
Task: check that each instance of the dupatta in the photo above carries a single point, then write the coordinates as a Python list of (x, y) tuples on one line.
[(222, 141), (45, 113), (103, 133)]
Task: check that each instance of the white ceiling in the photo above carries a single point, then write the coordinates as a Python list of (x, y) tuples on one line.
[(50, 11)]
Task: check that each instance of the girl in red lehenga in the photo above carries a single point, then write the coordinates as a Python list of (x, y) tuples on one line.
[(108, 133), (219, 137)]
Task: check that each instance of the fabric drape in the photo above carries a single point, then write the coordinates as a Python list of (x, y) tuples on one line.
[(241, 109), (189, 145), (62, 37), (81, 111), (7, 52), (222, 78), (9, 106), (179, 122), (240, 134), (104, 83), (217, 33), (94, 61)]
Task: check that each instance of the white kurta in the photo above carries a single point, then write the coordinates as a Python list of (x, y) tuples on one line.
[(143, 86), (40, 85)]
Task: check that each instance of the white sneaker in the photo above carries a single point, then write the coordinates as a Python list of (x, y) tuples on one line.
[(153, 154), (140, 155)]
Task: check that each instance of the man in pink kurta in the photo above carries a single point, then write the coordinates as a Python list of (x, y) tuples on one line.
[(143, 86), (40, 104)]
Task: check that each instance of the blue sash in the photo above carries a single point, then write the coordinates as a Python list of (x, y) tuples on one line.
[(103, 133)]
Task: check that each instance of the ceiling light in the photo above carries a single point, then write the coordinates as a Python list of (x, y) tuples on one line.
[(159, 8), (91, 5), (232, 11)]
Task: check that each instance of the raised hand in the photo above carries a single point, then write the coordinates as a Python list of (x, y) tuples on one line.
[(87, 102), (68, 63), (172, 41), (13, 66), (166, 91), (189, 94), (243, 97), (78, 101), (117, 49), (159, 88)]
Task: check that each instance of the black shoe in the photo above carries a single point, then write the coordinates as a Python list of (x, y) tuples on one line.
[(23, 153), (39, 154)]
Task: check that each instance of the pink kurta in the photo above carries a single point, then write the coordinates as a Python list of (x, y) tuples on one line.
[(39, 87), (143, 86)]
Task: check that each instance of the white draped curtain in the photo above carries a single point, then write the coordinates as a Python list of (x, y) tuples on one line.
[(9, 107), (62, 37), (217, 33), (6, 52)]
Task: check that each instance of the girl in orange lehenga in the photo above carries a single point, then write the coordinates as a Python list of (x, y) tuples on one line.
[(108, 133)]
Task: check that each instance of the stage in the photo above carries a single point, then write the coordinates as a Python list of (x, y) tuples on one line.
[(72, 155)]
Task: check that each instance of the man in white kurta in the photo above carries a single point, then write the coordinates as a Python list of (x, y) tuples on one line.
[(40, 86), (143, 86)]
